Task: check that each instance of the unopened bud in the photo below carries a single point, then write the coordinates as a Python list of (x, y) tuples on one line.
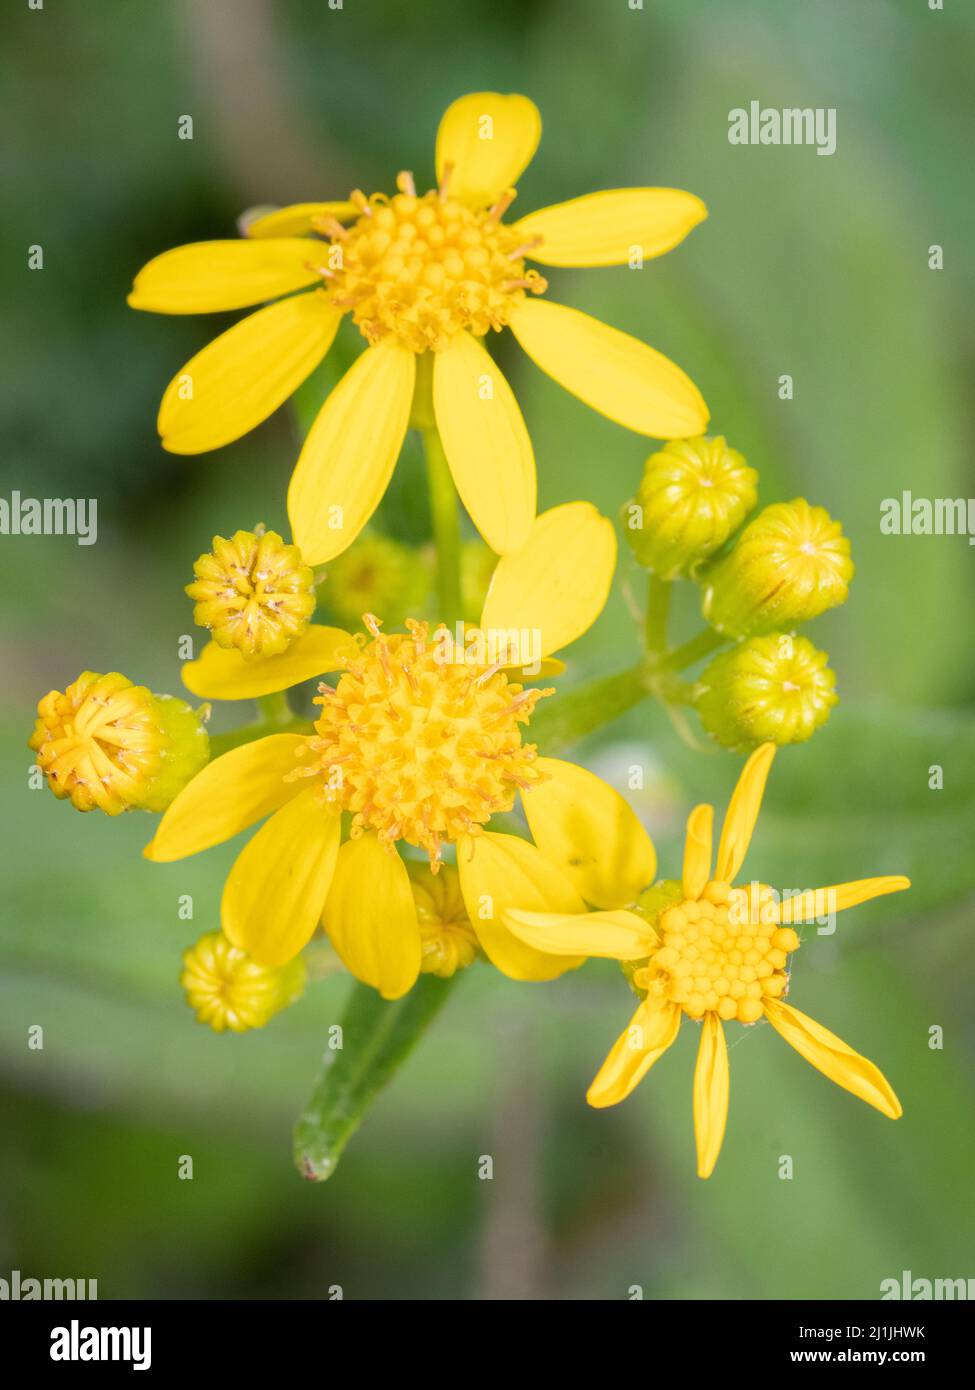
[(227, 989), (253, 592), (448, 940), (775, 689), (788, 565)]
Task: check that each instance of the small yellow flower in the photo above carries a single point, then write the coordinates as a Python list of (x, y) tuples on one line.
[(226, 989), (694, 493), (108, 744), (421, 273), (253, 592), (714, 952), (788, 565), (420, 741), (777, 689), (449, 942)]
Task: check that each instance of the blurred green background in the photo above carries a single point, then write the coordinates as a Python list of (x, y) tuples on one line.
[(815, 267)]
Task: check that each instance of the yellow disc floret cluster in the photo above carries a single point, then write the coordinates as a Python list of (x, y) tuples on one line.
[(420, 748), (721, 953), (228, 990), (109, 745), (423, 268), (253, 592)]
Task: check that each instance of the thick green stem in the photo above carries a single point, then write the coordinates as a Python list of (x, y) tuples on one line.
[(377, 1037), (693, 651), (569, 717), (445, 520), (658, 607)]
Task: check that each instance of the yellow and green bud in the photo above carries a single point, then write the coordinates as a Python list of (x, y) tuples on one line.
[(106, 744), (448, 940), (788, 565), (376, 575), (226, 989), (694, 493), (253, 592), (774, 689)]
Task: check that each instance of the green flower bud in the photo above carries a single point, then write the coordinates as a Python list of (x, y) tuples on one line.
[(693, 495), (788, 565), (376, 575), (775, 689)]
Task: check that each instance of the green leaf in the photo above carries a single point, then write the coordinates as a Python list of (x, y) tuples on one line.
[(377, 1037)]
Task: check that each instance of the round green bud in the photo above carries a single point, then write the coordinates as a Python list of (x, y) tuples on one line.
[(788, 565), (774, 689), (376, 575), (694, 493)]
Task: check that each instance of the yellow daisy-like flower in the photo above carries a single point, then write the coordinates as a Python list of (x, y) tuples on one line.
[(716, 953), (420, 741), (430, 273)]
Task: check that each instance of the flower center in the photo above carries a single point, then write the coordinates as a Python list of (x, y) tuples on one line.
[(720, 953), (423, 268), (100, 742), (253, 592), (420, 748)]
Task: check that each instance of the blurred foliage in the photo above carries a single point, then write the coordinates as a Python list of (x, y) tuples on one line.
[(816, 267)]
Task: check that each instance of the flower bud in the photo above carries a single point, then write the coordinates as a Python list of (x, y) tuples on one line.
[(449, 942), (376, 575), (788, 565), (226, 989), (775, 689), (693, 495), (253, 592), (106, 743)]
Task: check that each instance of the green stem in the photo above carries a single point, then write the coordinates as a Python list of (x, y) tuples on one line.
[(377, 1037), (658, 607), (445, 521), (579, 712), (693, 651), (274, 709)]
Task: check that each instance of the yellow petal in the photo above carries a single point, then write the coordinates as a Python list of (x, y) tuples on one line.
[(297, 219), (742, 813), (614, 935), (370, 917), (488, 139), (584, 826), (820, 902), (242, 377), (274, 894), (221, 673), (651, 1031), (710, 1094), (486, 442), (608, 228), (617, 375), (499, 872), (830, 1055), (351, 451), (556, 586), (210, 275), (229, 794), (697, 851)]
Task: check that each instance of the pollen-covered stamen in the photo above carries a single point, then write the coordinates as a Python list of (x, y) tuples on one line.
[(421, 268), (417, 747), (720, 953), (253, 592)]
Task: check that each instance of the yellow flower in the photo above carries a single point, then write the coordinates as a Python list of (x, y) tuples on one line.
[(420, 741), (226, 989), (693, 494), (449, 942), (713, 952), (108, 744), (253, 592), (420, 273), (788, 565), (776, 689)]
